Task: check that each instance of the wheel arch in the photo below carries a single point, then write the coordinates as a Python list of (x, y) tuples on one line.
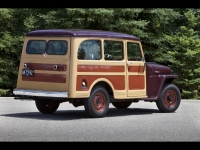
[(104, 83), (169, 80), (166, 80)]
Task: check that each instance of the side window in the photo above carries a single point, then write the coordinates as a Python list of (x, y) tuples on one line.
[(35, 47), (113, 50), (89, 50), (134, 52), (56, 47)]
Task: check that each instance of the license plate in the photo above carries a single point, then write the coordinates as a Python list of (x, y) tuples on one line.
[(27, 72)]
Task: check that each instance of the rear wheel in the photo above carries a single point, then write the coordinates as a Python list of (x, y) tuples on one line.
[(121, 105), (169, 99), (47, 107), (97, 104)]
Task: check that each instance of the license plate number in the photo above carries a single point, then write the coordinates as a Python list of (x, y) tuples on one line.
[(27, 72)]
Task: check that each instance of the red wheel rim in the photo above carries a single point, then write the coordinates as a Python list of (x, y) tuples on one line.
[(170, 98), (99, 102)]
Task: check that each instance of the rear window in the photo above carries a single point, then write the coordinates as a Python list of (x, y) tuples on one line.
[(36, 47), (52, 47), (56, 47)]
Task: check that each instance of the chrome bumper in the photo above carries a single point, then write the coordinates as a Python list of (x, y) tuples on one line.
[(40, 93)]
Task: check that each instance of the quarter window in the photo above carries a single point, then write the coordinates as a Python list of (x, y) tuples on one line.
[(89, 50)]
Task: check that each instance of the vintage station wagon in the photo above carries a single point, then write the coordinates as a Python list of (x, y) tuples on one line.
[(91, 68)]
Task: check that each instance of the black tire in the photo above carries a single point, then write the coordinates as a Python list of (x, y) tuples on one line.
[(97, 105), (169, 99), (47, 107), (121, 105)]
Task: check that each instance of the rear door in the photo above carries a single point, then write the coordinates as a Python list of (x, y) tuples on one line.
[(44, 64)]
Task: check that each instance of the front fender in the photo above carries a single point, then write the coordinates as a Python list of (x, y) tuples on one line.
[(155, 84)]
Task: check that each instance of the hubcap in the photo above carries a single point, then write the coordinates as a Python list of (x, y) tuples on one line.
[(99, 102), (170, 98)]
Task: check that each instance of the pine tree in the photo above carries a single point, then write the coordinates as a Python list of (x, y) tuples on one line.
[(10, 51), (184, 54), (161, 21)]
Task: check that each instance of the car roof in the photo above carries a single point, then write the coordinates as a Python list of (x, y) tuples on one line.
[(80, 33)]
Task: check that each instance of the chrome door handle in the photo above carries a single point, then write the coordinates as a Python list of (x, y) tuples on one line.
[(129, 63)]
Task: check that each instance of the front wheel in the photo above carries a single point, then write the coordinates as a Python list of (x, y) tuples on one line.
[(169, 99), (47, 107), (121, 105), (97, 105)]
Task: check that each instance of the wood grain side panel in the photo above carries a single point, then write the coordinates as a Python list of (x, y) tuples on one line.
[(49, 67), (135, 69), (40, 77), (118, 81), (136, 82), (99, 68)]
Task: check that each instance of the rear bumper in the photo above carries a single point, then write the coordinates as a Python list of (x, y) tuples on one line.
[(40, 93)]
